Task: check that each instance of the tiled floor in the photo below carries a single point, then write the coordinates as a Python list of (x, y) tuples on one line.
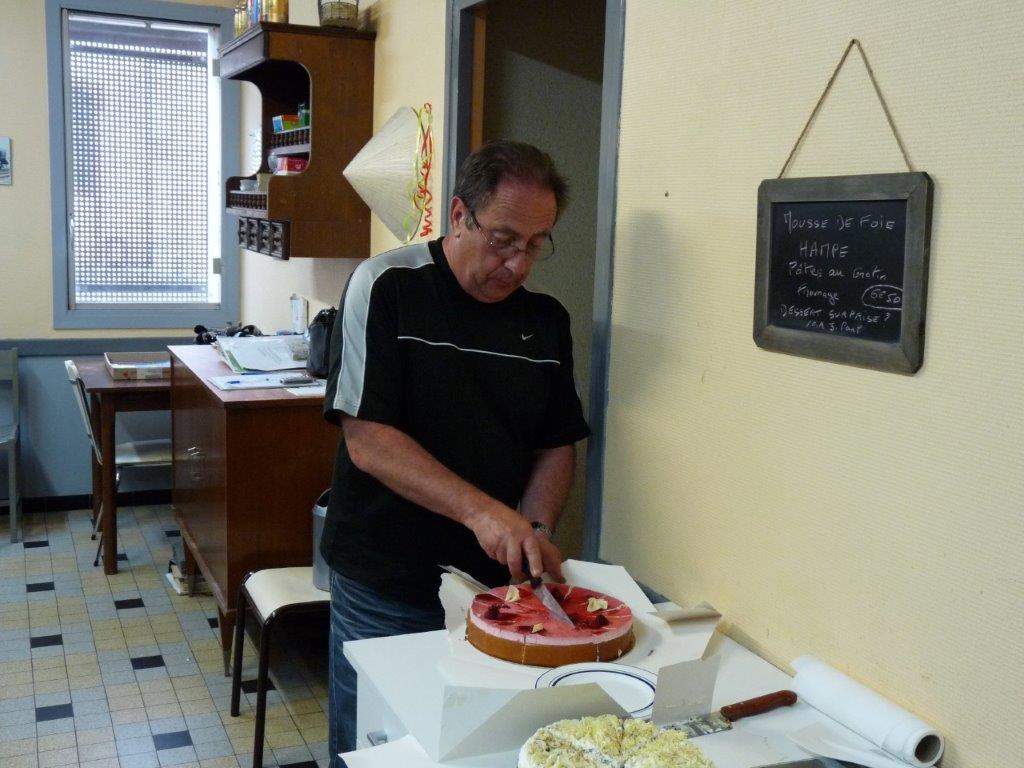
[(121, 672)]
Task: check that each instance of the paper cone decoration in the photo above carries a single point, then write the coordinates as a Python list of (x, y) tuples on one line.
[(392, 173)]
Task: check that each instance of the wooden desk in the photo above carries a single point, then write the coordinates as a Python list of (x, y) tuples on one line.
[(248, 468), (107, 398)]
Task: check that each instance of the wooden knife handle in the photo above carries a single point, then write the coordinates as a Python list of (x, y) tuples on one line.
[(758, 705)]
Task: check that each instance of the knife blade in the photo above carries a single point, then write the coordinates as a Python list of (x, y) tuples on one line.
[(722, 720), (541, 590)]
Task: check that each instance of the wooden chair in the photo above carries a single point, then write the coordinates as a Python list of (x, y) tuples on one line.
[(269, 594), (128, 454), (9, 437)]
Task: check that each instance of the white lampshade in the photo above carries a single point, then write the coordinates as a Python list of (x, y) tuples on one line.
[(388, 173)]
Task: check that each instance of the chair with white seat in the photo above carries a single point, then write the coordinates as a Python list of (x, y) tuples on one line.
[(269, 594), (9, 435), (130, 454)]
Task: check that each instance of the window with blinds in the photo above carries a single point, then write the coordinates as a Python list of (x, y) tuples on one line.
[(142, 136)]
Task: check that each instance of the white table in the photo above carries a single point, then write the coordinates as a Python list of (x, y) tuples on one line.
[(400, 691)]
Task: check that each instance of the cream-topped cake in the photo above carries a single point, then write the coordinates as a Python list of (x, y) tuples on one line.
[(609, 742), (511, 623)]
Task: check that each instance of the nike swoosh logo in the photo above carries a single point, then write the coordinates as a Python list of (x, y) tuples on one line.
[(527, 336)]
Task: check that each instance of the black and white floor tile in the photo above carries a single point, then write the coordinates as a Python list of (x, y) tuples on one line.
[(121, 671)]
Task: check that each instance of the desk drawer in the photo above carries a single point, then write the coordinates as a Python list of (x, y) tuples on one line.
[(198, 425)]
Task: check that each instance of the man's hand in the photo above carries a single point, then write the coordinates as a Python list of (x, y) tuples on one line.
[(507, 536)]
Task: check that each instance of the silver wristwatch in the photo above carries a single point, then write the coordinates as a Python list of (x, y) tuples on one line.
[(539, 527)]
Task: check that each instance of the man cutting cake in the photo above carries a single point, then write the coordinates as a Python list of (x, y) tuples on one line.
[(454, 388)]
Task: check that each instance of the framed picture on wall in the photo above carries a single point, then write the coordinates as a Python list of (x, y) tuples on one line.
[(5, 159), (842, 268)]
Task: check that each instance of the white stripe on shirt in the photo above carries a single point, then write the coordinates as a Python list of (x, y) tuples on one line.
[(478, 351), (352, 375)]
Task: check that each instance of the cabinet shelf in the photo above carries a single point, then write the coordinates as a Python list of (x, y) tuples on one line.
[(248, 203), (331, 69), (290, 141)]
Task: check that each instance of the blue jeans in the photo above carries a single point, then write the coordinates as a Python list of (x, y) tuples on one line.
[(359, 613)]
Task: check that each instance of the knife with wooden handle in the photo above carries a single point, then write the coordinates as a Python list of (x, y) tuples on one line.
[(722, 720)]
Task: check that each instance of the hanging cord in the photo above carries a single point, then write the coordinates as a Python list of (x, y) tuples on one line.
[(821, 100)]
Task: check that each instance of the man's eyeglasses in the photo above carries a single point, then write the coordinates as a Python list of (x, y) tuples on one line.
[(505, 248)]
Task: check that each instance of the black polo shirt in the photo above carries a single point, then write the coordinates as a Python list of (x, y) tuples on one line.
[(480, 386)]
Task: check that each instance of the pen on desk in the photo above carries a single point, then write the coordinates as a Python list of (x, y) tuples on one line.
[(246, 373)]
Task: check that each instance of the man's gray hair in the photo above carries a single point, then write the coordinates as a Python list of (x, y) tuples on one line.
[(500, 160)]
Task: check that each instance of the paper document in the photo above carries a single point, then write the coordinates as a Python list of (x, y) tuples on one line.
[(317, 389), (288, 379), (263, 353)]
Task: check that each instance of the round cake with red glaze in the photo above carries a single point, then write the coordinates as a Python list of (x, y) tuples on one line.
[(511, 623)]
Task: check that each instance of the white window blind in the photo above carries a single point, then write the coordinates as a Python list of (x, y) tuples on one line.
[(144, 135)]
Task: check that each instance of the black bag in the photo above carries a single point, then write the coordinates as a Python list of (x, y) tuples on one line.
[(319, 361)]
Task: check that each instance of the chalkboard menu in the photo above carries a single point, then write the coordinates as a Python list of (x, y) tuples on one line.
[(842, 268)]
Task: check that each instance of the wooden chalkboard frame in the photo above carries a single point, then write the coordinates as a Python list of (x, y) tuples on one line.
[(903, 356)]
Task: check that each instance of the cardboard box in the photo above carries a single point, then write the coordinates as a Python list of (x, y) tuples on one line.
[(289, 165), (138, 365), (285, 122), (489, 707)]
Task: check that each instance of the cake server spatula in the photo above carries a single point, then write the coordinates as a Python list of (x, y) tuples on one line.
[(722, 720), (541, 590)]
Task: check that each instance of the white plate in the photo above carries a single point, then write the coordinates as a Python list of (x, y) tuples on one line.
[(631, 687)]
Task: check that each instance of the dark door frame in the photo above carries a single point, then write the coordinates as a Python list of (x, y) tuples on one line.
[(459, 29)]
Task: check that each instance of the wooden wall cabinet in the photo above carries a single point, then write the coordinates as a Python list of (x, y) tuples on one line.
[(248, 467), (315, 213)]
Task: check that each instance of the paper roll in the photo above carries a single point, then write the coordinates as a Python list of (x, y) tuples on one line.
[(894, 729)]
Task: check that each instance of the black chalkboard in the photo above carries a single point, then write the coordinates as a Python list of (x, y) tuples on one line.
[(842, 268)]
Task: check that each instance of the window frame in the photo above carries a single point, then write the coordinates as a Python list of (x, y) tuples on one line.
[(138, 315)]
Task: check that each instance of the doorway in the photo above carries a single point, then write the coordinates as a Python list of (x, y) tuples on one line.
[(549, 73)]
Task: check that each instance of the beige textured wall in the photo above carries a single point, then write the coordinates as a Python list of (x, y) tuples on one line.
[(26, 244), (25, 263), (872, 519), (408, 70)]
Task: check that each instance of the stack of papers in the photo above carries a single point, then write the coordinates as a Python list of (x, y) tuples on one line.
[(263, 353), (267, 362)]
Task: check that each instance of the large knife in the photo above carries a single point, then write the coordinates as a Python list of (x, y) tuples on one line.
[(722, 720), (541, 590), (469, 580)]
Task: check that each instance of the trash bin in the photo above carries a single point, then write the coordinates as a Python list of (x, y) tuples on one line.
[(321, 571)]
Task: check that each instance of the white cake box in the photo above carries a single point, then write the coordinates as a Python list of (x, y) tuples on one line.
[(490, 707), (138, 365)]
